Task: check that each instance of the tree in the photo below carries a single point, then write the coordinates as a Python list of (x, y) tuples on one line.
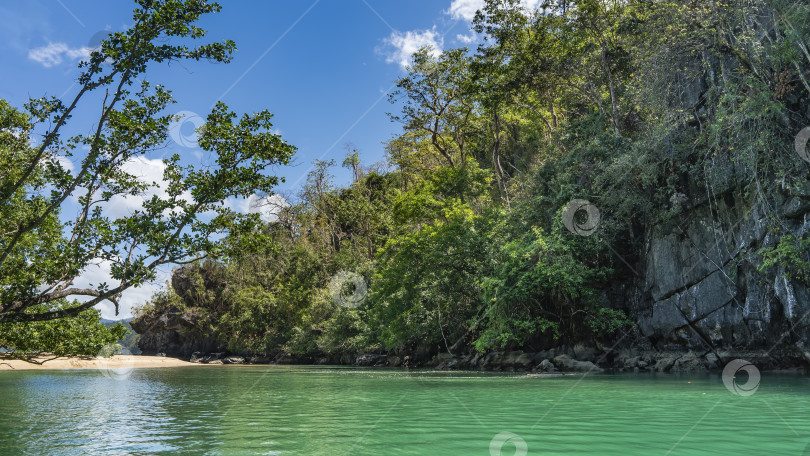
[(352, 161), (41, 254), (83, 335), (426, 285), (437, 102)]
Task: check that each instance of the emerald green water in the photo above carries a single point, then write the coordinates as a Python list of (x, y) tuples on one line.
[(342, 411)]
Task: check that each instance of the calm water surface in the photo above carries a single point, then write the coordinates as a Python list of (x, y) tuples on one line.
[(344, 411)]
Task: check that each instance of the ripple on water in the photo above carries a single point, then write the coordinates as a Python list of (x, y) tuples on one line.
[(305, 411)]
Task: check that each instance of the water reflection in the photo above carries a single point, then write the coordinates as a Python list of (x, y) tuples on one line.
[(305, 411)]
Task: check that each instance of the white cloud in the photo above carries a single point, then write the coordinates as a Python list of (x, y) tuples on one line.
[(99, 272), (147, 171), (66, 162), (267, 207), (531, 5), (467, 39), (53, 54), (406, 44), (465, 9)]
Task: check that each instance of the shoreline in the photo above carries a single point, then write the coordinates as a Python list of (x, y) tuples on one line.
[(114, 362), (507, 362)]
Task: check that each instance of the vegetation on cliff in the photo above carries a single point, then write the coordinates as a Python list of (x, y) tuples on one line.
[(510, 211), (467, 238)]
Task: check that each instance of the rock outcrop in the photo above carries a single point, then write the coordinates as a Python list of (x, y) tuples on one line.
[(175, 333), (700, 298), (702, 288), (180, 330)]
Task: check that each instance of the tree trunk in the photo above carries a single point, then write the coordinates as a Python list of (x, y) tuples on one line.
[(496, 157), (554, 120), (613, 101)]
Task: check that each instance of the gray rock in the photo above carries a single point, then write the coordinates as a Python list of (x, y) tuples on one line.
[(585, 353), (688, 363), (796, 207), (702, 287), (211, 357), (564, 362), (368, 360), (664, 364), (546, 366), (258, 359), (233, 360), (508, 361), (441, 358), (712, 359), (174, 332)]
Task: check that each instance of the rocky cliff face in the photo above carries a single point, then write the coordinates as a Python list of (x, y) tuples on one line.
[(698, 283), (175, 332), (699, 296), (180, 330), (701, 288)]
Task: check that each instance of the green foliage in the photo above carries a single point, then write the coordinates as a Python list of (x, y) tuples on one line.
[(255, 322), (541, 289), (426, 286), (161, 301), (40, 255), (83, 335), (643, 108), (791, 257), (609, 322)]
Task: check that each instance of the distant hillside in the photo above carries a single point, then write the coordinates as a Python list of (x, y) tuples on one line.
[(130, 342)]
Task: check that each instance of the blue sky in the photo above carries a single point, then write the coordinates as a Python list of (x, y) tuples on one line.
[(323, 68)]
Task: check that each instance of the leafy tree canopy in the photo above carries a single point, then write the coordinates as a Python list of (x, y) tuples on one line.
[(43, 250)]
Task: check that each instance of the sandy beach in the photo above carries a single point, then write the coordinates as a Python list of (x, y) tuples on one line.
[(114, 362)]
